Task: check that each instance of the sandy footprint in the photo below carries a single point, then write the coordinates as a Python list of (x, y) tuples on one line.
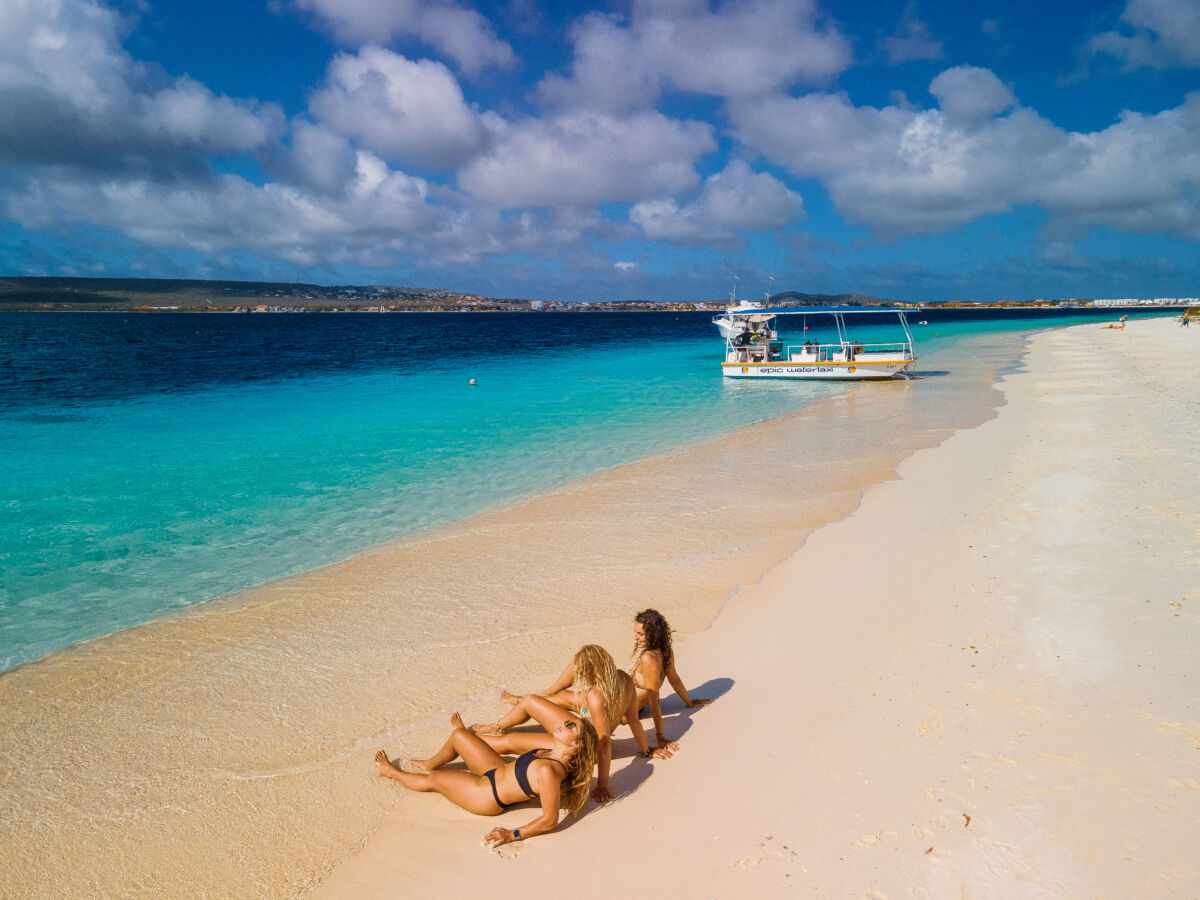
[(752, 862)]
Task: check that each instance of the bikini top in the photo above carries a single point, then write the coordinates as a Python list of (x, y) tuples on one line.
[(521, 770)]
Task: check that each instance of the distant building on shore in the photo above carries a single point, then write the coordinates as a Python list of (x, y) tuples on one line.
[(1156, 301)]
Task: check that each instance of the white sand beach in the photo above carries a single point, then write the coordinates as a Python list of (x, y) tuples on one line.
[(973, 680), (983, 683)]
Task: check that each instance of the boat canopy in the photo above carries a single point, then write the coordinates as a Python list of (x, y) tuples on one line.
[(828, 310)]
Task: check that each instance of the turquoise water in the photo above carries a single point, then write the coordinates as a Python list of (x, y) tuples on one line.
[(152, 462)]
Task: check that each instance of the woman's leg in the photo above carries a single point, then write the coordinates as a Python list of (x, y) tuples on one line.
[(519, 742), (454, 748), (447, 753), (518, 715), (472, 792)]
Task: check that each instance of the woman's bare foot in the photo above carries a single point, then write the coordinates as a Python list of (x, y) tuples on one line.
[(487, 728), (510, 698), (456, 720), (384, 765)]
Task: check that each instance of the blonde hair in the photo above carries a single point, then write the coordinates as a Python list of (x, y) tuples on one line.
[(577, 782), (594, 667)]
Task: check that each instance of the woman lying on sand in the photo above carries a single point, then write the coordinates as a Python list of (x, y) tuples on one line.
[(654, 660), (558, 776), (593, 686)]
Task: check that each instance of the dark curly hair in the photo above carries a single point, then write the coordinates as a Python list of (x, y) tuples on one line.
[(658, 634)]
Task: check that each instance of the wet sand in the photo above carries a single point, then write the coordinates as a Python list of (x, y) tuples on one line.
[(226, 751)]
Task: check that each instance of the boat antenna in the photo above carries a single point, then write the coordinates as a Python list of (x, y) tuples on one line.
[(770, 284), (733, 293)]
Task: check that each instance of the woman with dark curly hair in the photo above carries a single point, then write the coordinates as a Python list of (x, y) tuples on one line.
[(557, 774), (655, 660)]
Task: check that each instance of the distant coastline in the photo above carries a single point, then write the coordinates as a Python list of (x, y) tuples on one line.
[(190, 295)]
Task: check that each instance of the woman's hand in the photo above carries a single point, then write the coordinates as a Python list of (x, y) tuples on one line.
[(673, 746), (663, 752), (601, 794), (498, 836)]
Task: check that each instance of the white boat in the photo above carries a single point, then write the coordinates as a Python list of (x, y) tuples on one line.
[(754, 349), (724, 321)]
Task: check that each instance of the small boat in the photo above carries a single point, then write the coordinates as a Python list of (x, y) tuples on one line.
[(724, 321), (754, 349)]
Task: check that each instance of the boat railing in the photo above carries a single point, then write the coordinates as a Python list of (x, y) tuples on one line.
[(847, 351)]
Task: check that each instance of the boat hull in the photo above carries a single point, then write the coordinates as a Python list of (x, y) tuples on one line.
[(819, 371)]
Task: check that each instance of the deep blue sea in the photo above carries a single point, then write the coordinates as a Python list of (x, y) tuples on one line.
[(153, 461)]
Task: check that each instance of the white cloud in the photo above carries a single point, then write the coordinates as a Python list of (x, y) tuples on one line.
[(906, 172), (587, 158), (67, 50), (411, 112), (1158, 34), (612, 70), (188, 113), (625, 265), (734, 200), (1141, 174), (461, 34), (316, 158), (69, 94), (740, 49), (232, 214), (970, 94), (912, 40)]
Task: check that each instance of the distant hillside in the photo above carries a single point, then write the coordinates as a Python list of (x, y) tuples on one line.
[(145, 285), (110, 292), (792, 298), (195, 294)]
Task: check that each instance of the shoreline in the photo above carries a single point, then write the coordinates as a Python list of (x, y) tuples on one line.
[(245, 709), (1000, 707)]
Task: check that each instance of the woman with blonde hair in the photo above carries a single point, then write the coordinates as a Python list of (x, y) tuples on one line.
[(654, 661), (558, 773), (593, 686)]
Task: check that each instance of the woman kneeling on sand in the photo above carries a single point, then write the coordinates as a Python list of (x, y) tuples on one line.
[(655, 659), (593, 686), (558, 774)]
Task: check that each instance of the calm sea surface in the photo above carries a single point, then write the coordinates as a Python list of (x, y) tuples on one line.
[(150, 462)]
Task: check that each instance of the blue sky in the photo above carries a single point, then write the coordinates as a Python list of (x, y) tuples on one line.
[(647, 150)]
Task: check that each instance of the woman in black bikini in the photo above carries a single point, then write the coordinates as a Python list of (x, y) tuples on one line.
[(558, 776)]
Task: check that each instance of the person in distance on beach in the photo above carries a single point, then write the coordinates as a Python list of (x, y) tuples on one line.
[(558, 776), (654, 660), (593, 686)]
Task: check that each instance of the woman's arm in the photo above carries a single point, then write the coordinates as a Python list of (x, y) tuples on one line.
[(677, 683), (595, 699), (549, 787), (663, 751), (650, 668)]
